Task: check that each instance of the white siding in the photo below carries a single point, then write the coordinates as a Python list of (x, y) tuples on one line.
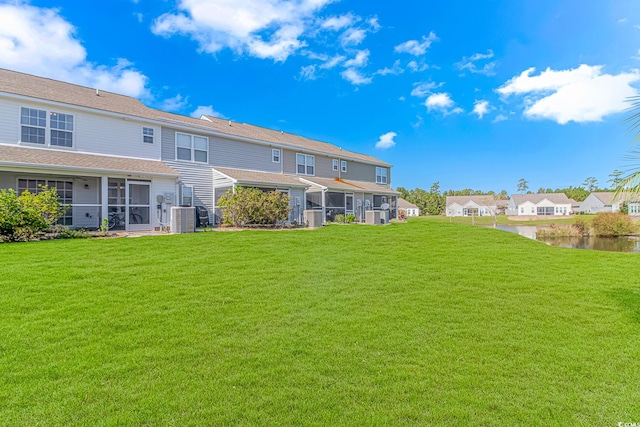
[(92, 132)]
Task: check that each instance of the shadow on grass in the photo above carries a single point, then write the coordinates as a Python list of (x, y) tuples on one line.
[(629, 300)]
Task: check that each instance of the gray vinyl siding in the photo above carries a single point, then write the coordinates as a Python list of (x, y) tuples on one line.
[(242, 155), (198, 176), (593, 205), (357, 171), (323, 164)]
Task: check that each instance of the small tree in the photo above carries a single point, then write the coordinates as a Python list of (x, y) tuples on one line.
[(523, 185), (612, 224)]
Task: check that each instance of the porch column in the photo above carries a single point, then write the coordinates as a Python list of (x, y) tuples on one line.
[(104, 198), (324, 208)]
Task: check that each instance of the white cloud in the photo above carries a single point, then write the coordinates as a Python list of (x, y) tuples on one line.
[(582, 94), (139, 17), (39, 41), (415, 67), (394, 70), (176, 103), (481, 108), (332, 62), (500, 118), (360, 60), (373, 23), (355, 77), (308, 72), (443, 103), (470, 63), (386, 141), (353, 37), (622, 20), (423, 89), (337, 23), (206, 110), (262, 28), (416, 48)]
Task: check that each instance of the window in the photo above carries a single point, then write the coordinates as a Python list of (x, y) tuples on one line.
[(63, 188), (305, 164), (343, 166), (186, 195), (34, 127), (192, 148), (34, 123), (381, 175), (147, 135), (335, 165), (521, 210), (275, 155)]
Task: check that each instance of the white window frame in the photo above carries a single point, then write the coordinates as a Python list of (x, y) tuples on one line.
[(192, 148), (308, 162), (343, 166), (147, 137), (335, 165), (182, 195), (66, 126), (275, 155), (381, 178)]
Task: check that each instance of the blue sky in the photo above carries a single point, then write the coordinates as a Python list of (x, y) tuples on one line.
[(473, 94)]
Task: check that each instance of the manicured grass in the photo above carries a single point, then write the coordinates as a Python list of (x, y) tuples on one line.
[(423, 323)]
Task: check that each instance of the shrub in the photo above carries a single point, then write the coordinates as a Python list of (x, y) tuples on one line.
[(62, 232), (610, 224), (28, 216), (338, 218), (350, 218), (402, 214), (251, 206)]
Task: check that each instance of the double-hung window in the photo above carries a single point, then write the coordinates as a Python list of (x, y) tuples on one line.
[(343, 166), (305, 165), (192, 148), (381, 175), (34, 127), (147, 135), (61, 129), (275, 155), (335, 165), (186, 195)]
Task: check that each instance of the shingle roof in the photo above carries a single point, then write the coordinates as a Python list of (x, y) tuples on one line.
[(254, 177), (484, 200), (557, 198), (53, 90), (609, 197), (355, 186), (16, 156), (403, 204)]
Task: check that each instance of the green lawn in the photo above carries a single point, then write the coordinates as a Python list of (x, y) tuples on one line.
[(423, 323), (504, 220)]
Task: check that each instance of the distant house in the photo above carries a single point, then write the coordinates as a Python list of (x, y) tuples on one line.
[(602, 201), (474, 205), (540, 204), (409, 208)]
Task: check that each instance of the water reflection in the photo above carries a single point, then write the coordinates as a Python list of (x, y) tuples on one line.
[(615, 244)]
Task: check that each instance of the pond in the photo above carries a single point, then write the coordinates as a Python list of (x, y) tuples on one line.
[(612, 244)]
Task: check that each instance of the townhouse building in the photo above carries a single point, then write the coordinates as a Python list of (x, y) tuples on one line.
[(111, 157)]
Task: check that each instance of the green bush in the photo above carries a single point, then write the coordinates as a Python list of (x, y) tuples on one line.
[(610, 224), (350, 218), (62, 232), (28, 216), (338, 218), (251, 206)]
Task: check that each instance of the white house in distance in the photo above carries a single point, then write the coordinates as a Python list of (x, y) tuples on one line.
[(540, 204), (474, 205), (602, 201), (409, 208)]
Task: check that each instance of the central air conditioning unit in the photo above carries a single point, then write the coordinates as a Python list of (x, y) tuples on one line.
[(183, 219)]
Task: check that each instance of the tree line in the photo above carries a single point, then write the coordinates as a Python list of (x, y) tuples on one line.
[(433, 202)]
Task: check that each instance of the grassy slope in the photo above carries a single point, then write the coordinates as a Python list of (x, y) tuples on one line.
[(418, 323)]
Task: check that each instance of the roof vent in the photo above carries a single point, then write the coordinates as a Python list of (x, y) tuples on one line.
[(229, 122), (97, 92), (282, 132)]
